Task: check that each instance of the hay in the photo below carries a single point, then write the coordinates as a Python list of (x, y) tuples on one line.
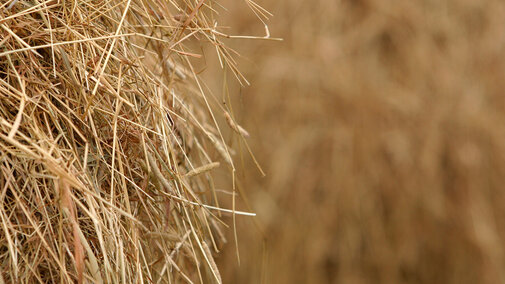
[(106, 149), (385, 144)]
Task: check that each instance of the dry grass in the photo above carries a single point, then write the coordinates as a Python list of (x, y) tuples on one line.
[(380, 125), (108, 139)]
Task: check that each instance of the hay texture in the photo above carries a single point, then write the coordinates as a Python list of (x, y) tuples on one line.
[(107, 142)]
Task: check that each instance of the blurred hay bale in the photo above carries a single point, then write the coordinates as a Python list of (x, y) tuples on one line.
[(384, 144), (106, 143)]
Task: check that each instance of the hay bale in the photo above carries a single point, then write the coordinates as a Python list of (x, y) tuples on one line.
[(387, 154), (105, 146)]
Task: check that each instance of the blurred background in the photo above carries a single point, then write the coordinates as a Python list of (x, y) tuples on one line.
[(380, 125)]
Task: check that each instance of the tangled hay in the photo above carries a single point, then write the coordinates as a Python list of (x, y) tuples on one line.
[(107, 141)]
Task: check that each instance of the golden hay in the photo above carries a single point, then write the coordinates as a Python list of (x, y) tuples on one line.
[(107, 141), (384, 143)]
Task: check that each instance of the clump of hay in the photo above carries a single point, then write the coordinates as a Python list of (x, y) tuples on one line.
[(106, 143)]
